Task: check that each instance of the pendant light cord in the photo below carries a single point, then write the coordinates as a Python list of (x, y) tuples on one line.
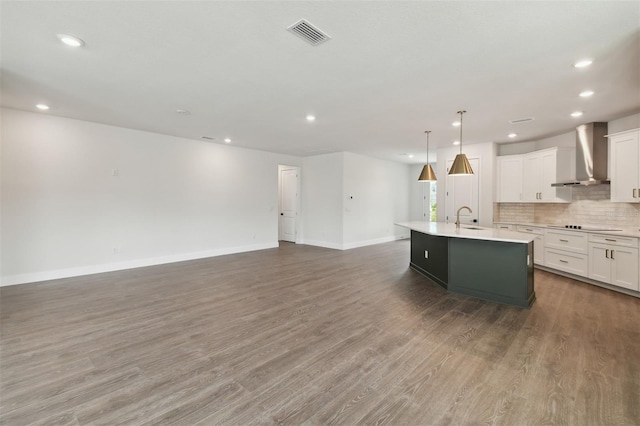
[(427, 132), (461, 112)]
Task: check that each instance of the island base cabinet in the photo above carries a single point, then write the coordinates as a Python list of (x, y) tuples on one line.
[(492, 270), (429, 255)]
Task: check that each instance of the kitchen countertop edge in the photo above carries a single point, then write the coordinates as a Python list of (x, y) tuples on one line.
[(624, 232), (442, 229)]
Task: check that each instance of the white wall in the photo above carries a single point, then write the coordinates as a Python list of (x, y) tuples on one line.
[(81, 197), (624, 123), (63, 212), (486, 152), (322, 177), (375, 196), (566, 139), (380, 191), (417, 190)]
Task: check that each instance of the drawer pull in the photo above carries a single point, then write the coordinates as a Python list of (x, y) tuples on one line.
[(564, 241), (527, 229), (563, 261), (610, 239)]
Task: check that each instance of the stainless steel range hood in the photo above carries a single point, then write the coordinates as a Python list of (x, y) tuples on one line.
[(591, 156)]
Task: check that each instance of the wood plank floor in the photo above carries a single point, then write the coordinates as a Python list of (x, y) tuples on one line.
[(306, 335)]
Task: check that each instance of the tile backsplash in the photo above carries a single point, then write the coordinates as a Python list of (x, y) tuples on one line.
[(590, 206)]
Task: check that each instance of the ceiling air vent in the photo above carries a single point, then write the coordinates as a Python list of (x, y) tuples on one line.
[(521, 120), (308, 32)]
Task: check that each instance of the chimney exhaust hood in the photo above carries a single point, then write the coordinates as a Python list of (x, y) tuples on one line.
[(591, 156)]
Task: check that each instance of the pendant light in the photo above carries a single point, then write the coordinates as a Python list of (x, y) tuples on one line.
[(461, 164), (427, 174)]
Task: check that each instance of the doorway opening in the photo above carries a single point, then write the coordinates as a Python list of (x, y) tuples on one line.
[(288, 203), (429, 201)]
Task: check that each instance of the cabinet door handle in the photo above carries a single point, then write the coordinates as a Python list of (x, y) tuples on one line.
[(606, 253), (612, 251), (564, 241), (634, 192), (563, 261)]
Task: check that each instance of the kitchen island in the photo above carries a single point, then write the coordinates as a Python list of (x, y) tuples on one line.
[(487, 263)]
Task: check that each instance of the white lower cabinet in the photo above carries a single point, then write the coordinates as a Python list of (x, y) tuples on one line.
[(506, 226), (614, 260), (538, 242), (567, 251), (574, 263), (608, 258)]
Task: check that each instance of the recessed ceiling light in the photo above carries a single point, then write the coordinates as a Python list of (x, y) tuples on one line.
[(311, 117), (183, 112), (42, 107), (227, 140), (583, 63), (576, 113), (456, 142), (455, 123), (410, 156), (586, 93), (512, 135), (70, 40)]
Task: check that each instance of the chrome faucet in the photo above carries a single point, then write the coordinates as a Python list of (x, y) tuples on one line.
[(458, 215)]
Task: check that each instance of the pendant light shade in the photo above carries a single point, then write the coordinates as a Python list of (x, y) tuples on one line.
[(427, 174), (461, 164)]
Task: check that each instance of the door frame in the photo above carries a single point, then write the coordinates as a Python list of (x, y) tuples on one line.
[(281, 168)]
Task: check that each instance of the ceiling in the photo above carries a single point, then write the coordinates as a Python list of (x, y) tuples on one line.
[(391, 70)]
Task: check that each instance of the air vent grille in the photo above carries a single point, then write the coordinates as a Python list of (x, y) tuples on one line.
[(521, 120), (308, 32)]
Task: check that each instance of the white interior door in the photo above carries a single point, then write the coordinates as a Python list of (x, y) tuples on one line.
[(288, 205), (462, 190)]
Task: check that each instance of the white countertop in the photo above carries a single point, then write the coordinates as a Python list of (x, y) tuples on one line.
[(442, 229), (624, 232)]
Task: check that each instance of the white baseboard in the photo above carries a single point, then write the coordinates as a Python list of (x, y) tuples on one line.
[(324, 244), (357, 244), (129, 264), (374, 241)]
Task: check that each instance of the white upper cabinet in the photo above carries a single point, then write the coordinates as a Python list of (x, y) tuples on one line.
[(541, 169), (509, 179), (528, 177), (624, 169)]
